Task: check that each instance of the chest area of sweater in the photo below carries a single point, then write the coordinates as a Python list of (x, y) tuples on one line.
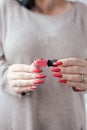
[(44, 40)]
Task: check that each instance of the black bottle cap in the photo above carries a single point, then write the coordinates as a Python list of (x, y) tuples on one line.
[(50, 62)]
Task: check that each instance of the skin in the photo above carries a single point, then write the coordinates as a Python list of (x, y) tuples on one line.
[(71, 69), (52, 7), (21, 77)]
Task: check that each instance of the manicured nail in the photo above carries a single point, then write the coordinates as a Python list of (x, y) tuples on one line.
[(58, 63), (33, 87), (76, 89), (38, 81), (55, 69), (63, 81), (58, 75), (37, 70), (40, 76), (79, 89)]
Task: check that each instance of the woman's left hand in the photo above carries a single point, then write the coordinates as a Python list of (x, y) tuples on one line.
[(71, 72)]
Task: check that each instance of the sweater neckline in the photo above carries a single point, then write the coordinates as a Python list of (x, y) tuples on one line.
[(53, 16)]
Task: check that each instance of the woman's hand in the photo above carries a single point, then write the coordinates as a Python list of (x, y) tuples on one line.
[(24, 78), (71, 72)]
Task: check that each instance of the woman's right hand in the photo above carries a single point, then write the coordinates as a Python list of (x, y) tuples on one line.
[(24, 78)]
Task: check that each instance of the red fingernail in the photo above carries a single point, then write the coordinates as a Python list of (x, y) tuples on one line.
[(79, 89), (41, 62), (55, 69), (58, 75), (63, 81), (40, 76), (33, 87), (37, 70), (38, 81), (58, 63)]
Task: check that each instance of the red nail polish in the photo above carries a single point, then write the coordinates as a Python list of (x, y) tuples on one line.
[(63, 81), (55, 69), (58, 75), (38, 81), (40, 62), (58, 63), (37, 70), (33, 87), (40, 76), (79, 89)]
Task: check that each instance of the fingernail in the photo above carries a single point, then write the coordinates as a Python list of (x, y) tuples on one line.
[(55, 69), (78, 89), (63, 81), (33, 87), (37, 70), (40, 76), (38, 81), (58, 75), (58, 63)]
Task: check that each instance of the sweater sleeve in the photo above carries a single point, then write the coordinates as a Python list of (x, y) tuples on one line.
[(4, 85)]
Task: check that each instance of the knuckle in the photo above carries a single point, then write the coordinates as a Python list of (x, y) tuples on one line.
[(66, 70), (70, 77), (28, 76), (66, 76), (78, 77), (76, 69), (62, 70), (18, 83), (76, 59), (23, 75)]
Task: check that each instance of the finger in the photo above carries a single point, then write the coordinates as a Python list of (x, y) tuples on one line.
[(73, 70), (24, 76), (70, 77), (25, 83), (72, 61), (77, 89), (24, 68), (25, 89), (71, 83)]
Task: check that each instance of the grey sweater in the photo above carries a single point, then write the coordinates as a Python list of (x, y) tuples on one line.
[(24, 36)]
